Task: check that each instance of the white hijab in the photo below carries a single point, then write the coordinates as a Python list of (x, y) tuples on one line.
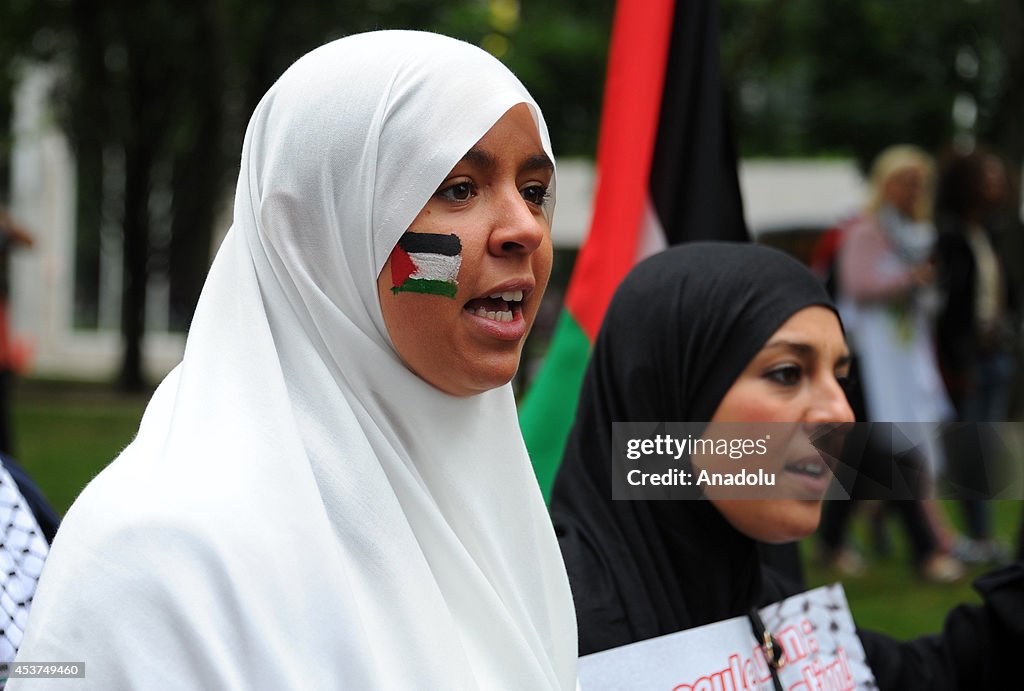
[(299, 510)]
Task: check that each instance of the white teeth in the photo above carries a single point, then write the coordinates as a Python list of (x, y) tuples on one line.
[(508, 296), (503, 316)]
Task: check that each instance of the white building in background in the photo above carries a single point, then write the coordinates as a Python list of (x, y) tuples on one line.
[(777, 195), (42, 197)]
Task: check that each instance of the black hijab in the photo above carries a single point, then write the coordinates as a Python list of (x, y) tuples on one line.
[(680, 329)]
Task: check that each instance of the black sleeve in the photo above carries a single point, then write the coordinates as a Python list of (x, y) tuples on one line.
[(977, 648)]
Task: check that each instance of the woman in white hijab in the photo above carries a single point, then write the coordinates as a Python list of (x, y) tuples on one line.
[(331, 490)]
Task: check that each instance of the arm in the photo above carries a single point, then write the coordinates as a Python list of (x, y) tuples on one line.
[(861, 274)]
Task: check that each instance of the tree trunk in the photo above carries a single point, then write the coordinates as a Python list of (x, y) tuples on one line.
[(198, 177), (140, 153), (88, 132)]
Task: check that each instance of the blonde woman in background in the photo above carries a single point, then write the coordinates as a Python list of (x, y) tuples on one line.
[(888, 300)]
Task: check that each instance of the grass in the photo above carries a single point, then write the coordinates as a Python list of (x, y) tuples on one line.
[(889, 597), (66, 434)]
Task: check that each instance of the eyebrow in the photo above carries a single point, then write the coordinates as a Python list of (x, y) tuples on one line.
[(805, 350), (536, 162), (487, 161)]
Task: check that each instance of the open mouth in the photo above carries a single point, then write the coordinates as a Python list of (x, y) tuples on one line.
[(810, 467), (505, 306)]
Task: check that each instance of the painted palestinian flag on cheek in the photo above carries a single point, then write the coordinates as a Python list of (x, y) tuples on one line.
[(426, 263)]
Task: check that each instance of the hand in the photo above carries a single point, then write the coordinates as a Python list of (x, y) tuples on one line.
[(11, 228), (923, 275)]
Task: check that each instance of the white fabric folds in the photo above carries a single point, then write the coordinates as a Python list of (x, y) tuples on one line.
[(299, 510)]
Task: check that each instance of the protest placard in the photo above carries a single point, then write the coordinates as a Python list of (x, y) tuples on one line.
[(821, 652)]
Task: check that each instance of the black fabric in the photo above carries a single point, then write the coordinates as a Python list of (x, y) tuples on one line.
[(957, 337), (785, 559), (693, 183), (680, 329)]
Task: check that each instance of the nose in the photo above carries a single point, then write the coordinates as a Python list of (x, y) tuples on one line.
[(518, 228), (830, 404)]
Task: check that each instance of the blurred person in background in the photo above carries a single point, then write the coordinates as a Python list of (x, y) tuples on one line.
[(886, 284), (27, 521), (976, 328), (12, 235)]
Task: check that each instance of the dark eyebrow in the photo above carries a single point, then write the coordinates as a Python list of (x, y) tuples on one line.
[(480, 158), (484, 159), (795, 346), (535, 163), (805, 350)]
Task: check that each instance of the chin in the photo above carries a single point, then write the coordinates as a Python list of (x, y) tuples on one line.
[(485, 378), (795, 520), (774, 521)]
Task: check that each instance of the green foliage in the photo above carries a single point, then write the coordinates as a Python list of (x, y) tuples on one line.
[(854, 76), (559, 52)]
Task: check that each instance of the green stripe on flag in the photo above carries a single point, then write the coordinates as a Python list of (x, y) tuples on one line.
[(430, 287), (549, 408)]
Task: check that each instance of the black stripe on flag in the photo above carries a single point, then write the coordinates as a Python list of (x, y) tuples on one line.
[(694, 187), (432, 243)]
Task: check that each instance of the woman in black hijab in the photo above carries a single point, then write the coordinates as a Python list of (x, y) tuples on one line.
[(693, 332)]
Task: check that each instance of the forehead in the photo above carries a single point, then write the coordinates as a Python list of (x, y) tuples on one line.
[(815, 326), (907, 175), (514, 132)]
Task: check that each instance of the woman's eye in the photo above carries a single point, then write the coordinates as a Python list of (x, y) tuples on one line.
[(459, 192), (786, 375), (536, 194)]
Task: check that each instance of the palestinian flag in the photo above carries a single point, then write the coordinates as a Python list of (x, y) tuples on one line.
[(666, 174), (426, 263)]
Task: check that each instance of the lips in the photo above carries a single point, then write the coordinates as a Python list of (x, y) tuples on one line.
[(503, 303), (811, 474), (812, 468)]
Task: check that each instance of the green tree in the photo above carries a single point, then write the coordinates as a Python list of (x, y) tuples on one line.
[(853, 76)]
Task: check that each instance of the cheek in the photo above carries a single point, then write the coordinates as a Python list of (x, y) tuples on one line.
[(754, 403), (542, 263), (408, 314)]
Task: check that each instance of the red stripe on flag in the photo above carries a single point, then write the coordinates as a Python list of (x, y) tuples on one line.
[(402, 267), (629, 122)]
